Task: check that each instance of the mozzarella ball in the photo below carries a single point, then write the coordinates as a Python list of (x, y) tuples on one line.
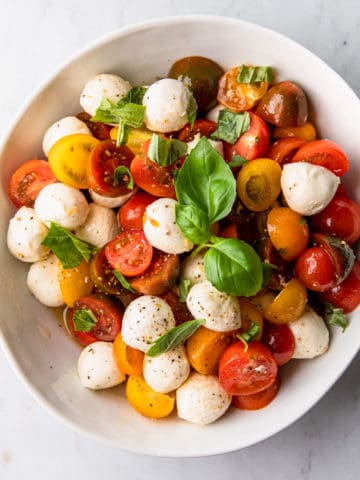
[(62, 204), (308, 188), (213, 114), (192, 269), (145, 319), (99, 227), (97, 367), (220, 311), (166, 103), (62, 128), (167, 371), (43, 281), (311, 335), (201, 399), (161, 230), (25, 233), (216, 144), (103, 85), (111, 202)]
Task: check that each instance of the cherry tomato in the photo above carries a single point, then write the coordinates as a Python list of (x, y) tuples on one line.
[(108, 313), (27, 181), (75, 282), (98, 129), (202, 126), (347, 294), (283, 150), (259, 400), (324, 153), (180, 310), (160, 276), (229, 230), (103, 161), (130, 215), (153, 178), (315, 269), (246, 372), (135, 139), (129, 252), (284, 105), (288, 304), (280, 340), (129, 360), (254, 143), (268, 254), (340, 217), (306, 132), (250, 314)]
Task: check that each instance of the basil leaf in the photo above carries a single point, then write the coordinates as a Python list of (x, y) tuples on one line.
[(165, 152), (237, 161), (193, 223), (135, 95), (84, 319), (174, 337), (249, 74), (335, 316), (250, 335), (106, 112), (123, 281), (191, 110), (122, 134), (206, 182), (131, 114), (231, 125), (70, 250), (119, 172), (234, 267), (184, 288)]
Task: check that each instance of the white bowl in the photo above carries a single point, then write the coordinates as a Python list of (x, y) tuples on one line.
[(31, 335)]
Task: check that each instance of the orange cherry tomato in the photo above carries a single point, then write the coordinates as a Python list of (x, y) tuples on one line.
[(249, 314), (288, 305), (306, 132), (259, 400), (129, 360), (75, 282)]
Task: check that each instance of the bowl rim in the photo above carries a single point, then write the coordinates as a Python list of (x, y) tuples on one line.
[(5, 136)]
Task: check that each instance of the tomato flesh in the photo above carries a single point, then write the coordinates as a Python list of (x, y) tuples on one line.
[(280, 341), (130, 215), (259, 400), (98, 129)]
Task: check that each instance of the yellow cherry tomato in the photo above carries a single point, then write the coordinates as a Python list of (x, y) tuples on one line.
[(129, 360), (258, 183), (288, 305), (75, 282), (306, 131), (146, 401), (68, 159), (249, 314), (136, 138)]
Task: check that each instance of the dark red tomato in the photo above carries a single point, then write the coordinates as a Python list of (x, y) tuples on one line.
[(27, 181), (129, 252), (130, 215), (347, 294), (280, 341), (283, 150), (251, 144), (341, 217), (202, 126), (315, 269), (160, 276), (180, 310), (259, 400), (324, 153), (246, 372), (108, 313), (341, 190), (229, 230), (98, 129), (103, 161)]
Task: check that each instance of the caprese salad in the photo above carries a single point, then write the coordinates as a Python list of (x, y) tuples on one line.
[(195, 231)]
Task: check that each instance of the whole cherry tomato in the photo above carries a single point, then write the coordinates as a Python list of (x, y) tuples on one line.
[(315, 269), (280, 341), (130, 215)]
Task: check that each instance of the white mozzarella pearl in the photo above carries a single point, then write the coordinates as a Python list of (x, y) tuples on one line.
[(213, 114), (192, 269), (99, 227), (216, 144), (43, 281), (111, 202)]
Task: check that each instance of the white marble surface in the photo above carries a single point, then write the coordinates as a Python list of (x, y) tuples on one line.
[(35, 35)]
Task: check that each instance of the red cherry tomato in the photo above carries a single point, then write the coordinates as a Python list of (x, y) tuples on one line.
[(130, 215), (108, 313), (27, 181), (98, 129), (229, 230), (324, 153), (347, 294), (251, 144), (180, 310), (202, 126), (129, 252), (340, 217), (246, 372), (257, 400), (103, 161), (283, 150), (315, 269), (280, 341)]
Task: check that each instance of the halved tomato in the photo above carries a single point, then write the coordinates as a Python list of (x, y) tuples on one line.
[(202, 126), (98, 129), (283, 150), (259, 400), (153, 178)]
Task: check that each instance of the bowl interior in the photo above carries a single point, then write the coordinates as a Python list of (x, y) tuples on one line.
[(32, 335)]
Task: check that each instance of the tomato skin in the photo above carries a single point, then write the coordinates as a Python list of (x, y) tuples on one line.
[(180, 310), (252, 144), (229, 231), (129, 252), (324, 153), (315, 269), (202, 125), (246, 372), (280, 340), (341, 217), (27, 181), (283, 150), (98, 129), (130, 215), (259, 400), (347, 294)]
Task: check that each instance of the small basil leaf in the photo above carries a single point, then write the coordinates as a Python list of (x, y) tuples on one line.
[(174, 337), (118, 174), (191, 110), (135, 95), (250, 74), (335, 316), (237, 161), (130, 114), (165, 152), (184, 288), (193, 223), (123, 281), (105, 112), (231, 125), (250, 335), (84, 319), (122, 134)]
